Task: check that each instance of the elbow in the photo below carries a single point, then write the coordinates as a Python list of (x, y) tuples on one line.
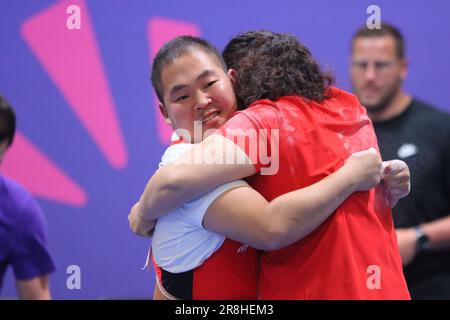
[(280, 234), (275, 230), (274, 239)]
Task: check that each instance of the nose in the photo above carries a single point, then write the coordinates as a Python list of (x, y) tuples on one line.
[(202, 100), (369, 72)]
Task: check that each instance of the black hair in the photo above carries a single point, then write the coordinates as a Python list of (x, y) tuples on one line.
[(7, 122), (175, 49), (385, 30)]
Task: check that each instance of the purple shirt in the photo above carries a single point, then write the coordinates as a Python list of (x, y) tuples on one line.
[(23, 233)]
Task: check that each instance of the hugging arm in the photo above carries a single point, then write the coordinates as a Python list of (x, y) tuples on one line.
[(242, 214), (189, 177)]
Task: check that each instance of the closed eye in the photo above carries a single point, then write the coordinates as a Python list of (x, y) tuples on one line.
[(181, 98), (211, 83)]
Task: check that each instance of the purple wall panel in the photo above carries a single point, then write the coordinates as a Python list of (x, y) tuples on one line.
[(85, 105)]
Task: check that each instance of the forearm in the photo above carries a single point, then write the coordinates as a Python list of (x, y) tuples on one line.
[(34, 289), (439, 233), (291, 216), (160, 195), (296, 214), (173, 185), (194, 174)]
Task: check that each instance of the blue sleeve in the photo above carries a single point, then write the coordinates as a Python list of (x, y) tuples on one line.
[(30, 255)]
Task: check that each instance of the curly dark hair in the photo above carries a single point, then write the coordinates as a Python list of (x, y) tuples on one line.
[(270, 65)]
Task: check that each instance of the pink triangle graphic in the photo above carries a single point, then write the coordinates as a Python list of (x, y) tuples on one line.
[(161, 30), (72, 60), (38, 174)]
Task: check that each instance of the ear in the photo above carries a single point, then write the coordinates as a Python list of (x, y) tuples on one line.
[(404, 64), (232, 75), (163, 110)]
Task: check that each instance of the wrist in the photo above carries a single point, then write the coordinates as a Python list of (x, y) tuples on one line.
[(347, 180), (422, 240), (350, 179), (141, 212)]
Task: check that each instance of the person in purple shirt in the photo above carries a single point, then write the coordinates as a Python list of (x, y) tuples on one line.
[(23, 234)]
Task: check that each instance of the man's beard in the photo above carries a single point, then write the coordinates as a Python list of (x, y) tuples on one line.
[(384, 102)]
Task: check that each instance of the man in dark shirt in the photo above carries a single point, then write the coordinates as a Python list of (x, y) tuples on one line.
[(419, 134)]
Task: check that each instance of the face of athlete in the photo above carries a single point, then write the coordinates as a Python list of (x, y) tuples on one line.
[(376, 71), (197, 89)]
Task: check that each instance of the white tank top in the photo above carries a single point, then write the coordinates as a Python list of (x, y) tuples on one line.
[(180, 243)]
